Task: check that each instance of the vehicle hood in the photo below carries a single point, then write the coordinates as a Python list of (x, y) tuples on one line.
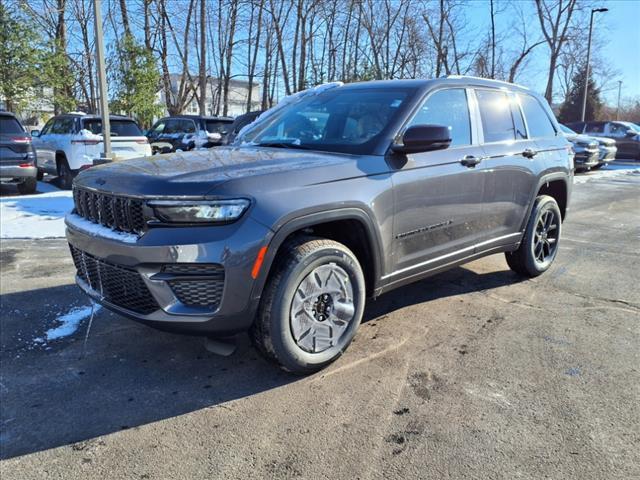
[(198, 171), (607, 142), (582, 140)]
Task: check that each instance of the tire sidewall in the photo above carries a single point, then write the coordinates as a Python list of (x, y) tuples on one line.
[(283, 341), (543, 205), (65, 174)]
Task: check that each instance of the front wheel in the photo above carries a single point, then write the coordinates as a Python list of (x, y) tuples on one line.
[(539, 245), (311, 307)]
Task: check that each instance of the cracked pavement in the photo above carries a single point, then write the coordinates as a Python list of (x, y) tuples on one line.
[(474, 373)]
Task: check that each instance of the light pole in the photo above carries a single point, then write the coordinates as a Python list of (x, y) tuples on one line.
[(102, 83), (619, 91), (586, 75)]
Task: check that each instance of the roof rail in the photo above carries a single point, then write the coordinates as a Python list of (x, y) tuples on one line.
[(471, 77)]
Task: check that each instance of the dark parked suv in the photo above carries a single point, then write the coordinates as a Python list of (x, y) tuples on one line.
[(346, 193), (186, 132), (17, 156)]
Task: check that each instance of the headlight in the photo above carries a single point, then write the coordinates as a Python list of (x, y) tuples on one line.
[(199, 211)]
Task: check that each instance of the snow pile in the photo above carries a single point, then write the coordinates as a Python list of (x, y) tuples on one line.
[(609, 171), (289, 99), (35, 216), (69, 323)]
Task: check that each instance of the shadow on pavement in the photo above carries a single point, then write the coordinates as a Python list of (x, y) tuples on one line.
[(131, 375)]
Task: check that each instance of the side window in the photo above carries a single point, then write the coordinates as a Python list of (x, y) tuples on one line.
[(594, 128), (63, 126), (47, 127), (187, 126), (157, 128), (172, 127), (617, 129), (537, 119), (447, 107), (495, 113)]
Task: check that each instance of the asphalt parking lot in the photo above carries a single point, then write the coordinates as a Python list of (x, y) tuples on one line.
[(474, 373)]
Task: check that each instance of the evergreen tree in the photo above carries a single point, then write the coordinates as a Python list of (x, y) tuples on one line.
[(571, 110), (19, 59)]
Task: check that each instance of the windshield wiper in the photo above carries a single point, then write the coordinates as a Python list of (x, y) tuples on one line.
[(283, 145)]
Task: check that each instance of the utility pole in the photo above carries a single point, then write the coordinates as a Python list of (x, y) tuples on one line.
[(586, 73), (102, 83), (203, 59), (619, 91)]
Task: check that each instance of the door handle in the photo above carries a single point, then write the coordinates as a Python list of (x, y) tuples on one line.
[(470, 161), (529, 153)]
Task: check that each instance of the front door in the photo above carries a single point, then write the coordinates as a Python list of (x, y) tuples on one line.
[(46, 149), (438, 195)]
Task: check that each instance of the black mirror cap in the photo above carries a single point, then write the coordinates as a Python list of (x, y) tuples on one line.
[(423, 138)]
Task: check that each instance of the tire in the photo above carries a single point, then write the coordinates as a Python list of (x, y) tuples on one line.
[(598, 167), (539, 245), (316, 336), (40, 175), (28, 186), (65, 174)]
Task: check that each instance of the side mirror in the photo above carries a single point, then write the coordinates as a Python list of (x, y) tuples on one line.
[(423, 138), (631, 133), (35, 133)]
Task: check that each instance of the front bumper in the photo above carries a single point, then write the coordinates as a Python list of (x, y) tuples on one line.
[(120, 273), (586, 158), (607, 154), (15, 172)]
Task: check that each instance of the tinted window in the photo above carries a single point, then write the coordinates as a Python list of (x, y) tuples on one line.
[(537, 119), (63, 125), (47, 127), (173, 126), (119, 128), (495, 113), (216, 126), (618, 129), (594, 127), (449, 108), (157, 128), (10, 125), (347, 120)]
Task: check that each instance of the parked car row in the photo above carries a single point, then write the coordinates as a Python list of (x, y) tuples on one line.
[(625, 134), (590, 152)]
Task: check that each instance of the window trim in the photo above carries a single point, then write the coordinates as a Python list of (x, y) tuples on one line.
[(472, 125), (544, 110), (508, 93)]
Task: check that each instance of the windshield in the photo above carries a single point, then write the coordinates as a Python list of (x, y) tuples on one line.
[(217, 126), (566, 129), (119, 128), (336, 120), (632, 126)]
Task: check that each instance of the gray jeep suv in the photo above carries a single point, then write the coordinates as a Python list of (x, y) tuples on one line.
[(340, 194)]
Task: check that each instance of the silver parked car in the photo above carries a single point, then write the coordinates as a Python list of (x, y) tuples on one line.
[(606, 146)]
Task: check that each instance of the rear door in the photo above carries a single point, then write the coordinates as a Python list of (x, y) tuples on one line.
[(509, 166), (46, 148), (438, 199)]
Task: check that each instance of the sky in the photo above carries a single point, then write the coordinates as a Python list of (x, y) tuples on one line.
[(619, 35)]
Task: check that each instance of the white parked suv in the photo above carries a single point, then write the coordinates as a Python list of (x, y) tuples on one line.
[(72, 141)]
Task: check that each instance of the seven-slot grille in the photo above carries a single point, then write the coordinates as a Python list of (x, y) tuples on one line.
[(118, 285), (197, 285), (116, 212)]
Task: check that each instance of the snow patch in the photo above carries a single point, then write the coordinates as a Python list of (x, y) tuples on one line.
[(35, 216), (609, 171), (69, 323), (96, 230), (289, 99)]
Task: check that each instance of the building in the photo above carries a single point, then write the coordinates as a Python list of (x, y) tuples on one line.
[(238, 95)]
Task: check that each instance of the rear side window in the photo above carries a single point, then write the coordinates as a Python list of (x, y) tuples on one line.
[(495, 113), (537, 119), (119, 128), (594, 128), (63, 125), (450, 108), (9, 125), (216, 126)]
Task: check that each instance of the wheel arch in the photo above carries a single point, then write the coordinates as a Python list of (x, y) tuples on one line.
[(363, 239), (555, 185)]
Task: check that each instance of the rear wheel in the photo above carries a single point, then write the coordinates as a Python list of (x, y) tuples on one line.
[(539, 246), (65, 174), (28, 186), (598, 167), (311, 307), (40, 175)]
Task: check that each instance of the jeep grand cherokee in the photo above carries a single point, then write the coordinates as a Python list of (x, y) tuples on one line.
[(341, 194)]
